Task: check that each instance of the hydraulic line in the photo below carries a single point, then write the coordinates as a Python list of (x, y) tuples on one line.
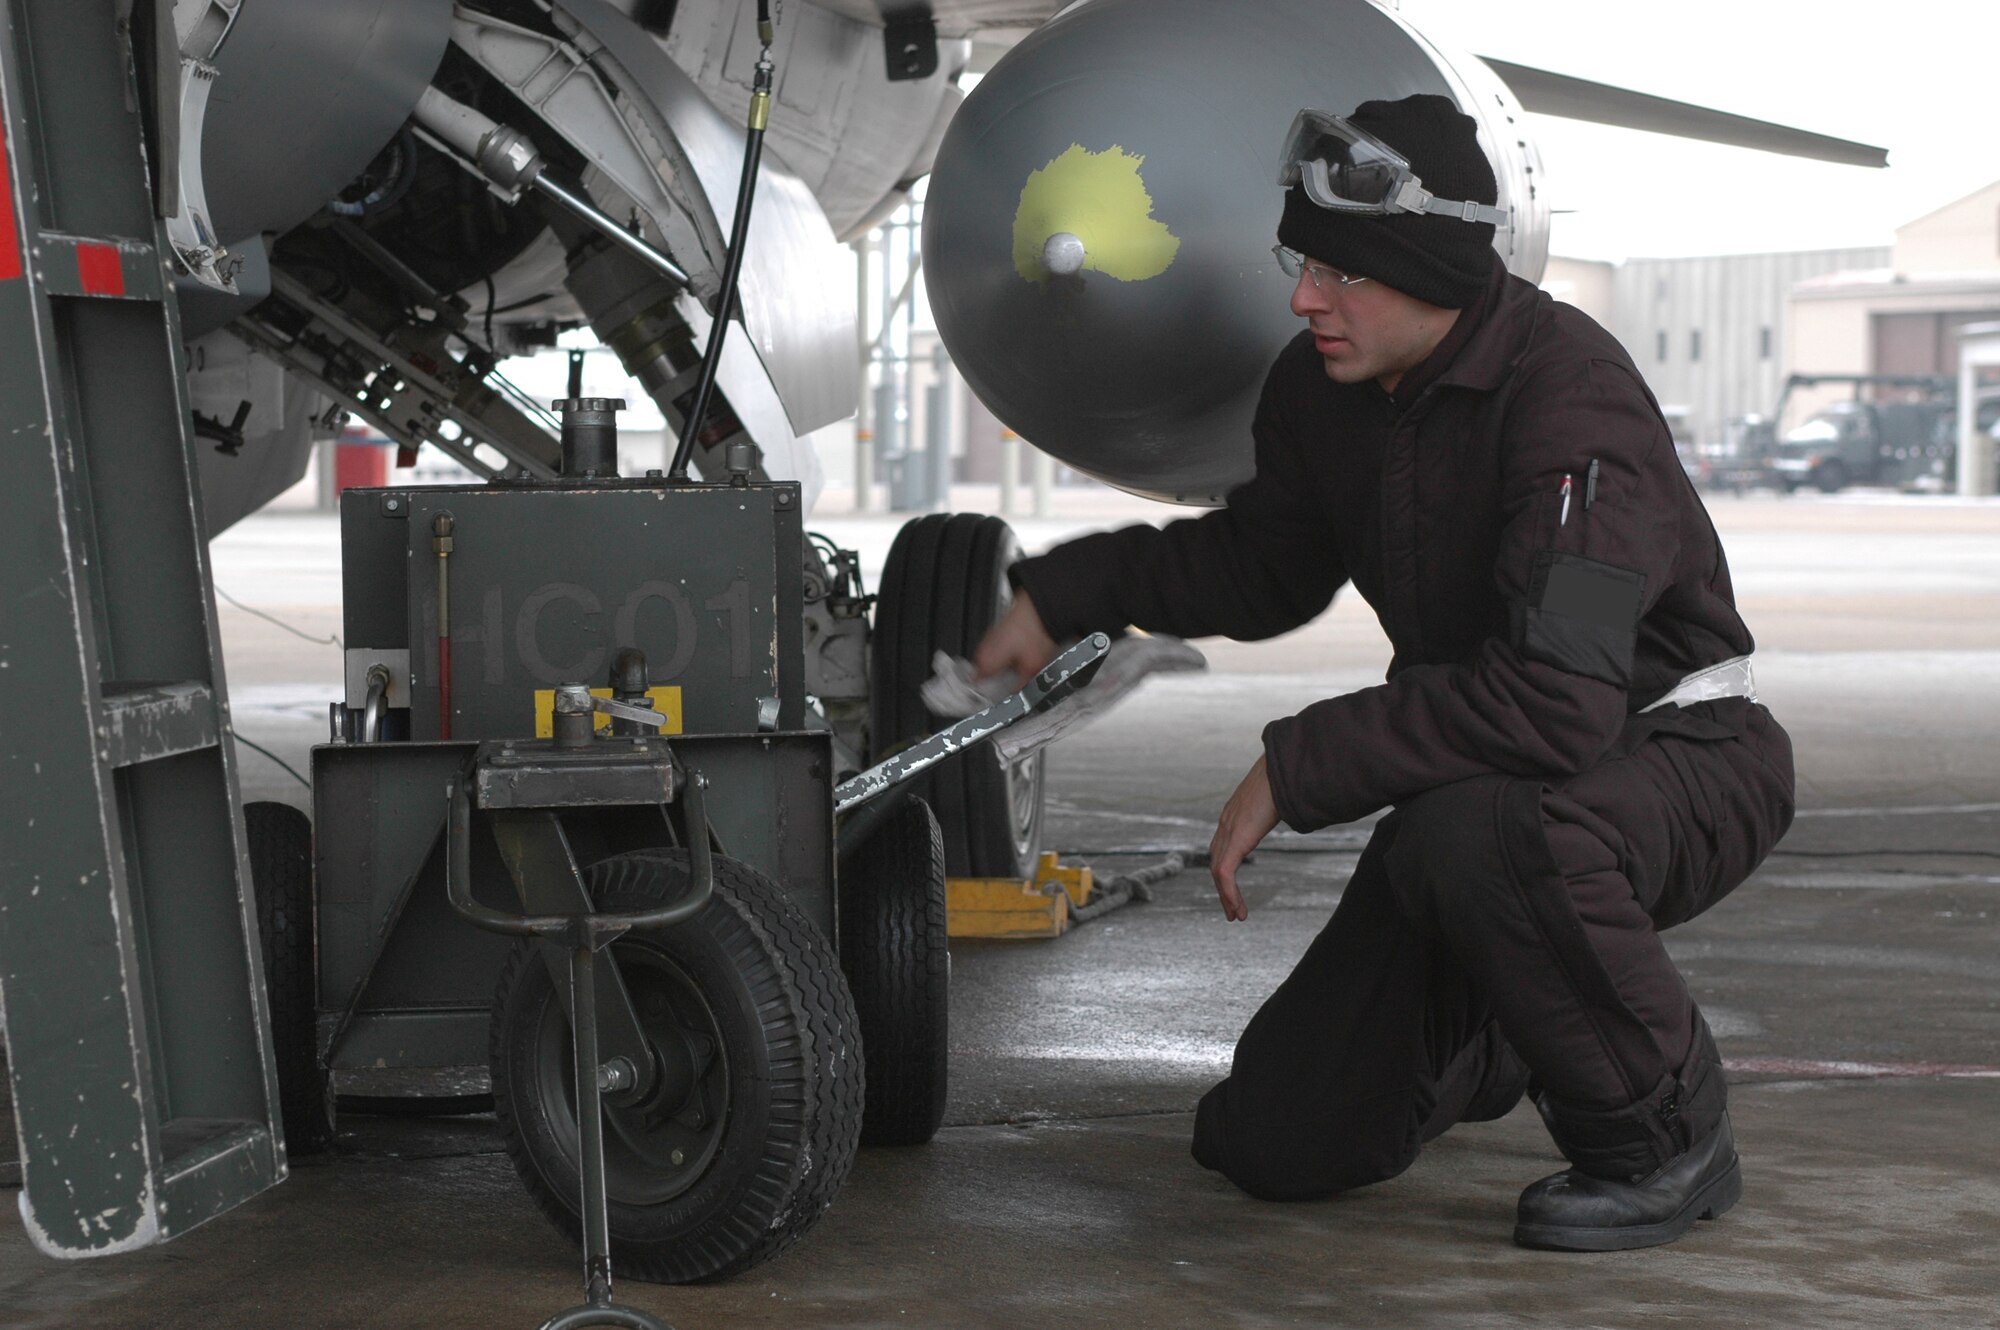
[(607, 227), (510, 160), (753, 151)]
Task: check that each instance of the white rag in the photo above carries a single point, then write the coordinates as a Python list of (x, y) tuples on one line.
[(953, 692)]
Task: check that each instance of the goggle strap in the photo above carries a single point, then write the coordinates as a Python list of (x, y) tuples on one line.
[(1464, 211)]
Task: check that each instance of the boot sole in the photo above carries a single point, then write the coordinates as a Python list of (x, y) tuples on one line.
[(1710, 1202)]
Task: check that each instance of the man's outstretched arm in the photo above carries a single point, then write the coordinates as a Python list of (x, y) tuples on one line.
[(1263, 565)]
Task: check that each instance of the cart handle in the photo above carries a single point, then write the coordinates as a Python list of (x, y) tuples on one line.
[(590, 930)]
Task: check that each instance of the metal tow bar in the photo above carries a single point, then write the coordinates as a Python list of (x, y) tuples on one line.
[(1061, 677)]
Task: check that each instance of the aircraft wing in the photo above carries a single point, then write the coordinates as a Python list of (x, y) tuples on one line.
[(1580, 99)]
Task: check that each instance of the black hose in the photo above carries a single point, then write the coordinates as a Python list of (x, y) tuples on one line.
[(753, 152)]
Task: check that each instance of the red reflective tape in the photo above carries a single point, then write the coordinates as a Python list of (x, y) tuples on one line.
[(101, 269), (10, 227)]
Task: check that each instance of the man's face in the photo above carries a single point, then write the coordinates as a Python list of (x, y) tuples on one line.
[(1367, 330)]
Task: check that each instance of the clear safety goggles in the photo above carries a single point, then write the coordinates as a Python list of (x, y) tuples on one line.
[(1345, 169)]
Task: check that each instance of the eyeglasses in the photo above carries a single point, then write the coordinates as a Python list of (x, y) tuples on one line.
[(1293, 263)]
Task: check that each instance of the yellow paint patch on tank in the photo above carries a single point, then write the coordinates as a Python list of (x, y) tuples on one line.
[(1100, 198)]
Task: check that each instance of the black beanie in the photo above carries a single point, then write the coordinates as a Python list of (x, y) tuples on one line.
[(1441, 260)]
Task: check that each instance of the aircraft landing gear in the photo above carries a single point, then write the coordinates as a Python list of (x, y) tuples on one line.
[(944, 584)]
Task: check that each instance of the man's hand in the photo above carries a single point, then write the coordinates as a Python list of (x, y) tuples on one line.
[(1250, 815), (1017, 643)]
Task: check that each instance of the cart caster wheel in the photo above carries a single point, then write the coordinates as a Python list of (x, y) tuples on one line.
[(280, 841), (893, 946), (742, 1150), (943, 585)]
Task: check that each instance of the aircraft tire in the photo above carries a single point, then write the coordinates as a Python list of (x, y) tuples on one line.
[(894, 949), (943, 585), (745, 1005), (280, 841)]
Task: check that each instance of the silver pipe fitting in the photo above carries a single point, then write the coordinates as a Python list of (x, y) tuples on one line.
[(510, 160), (377, 706)]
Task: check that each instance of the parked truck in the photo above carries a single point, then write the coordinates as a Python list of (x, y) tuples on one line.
[(1909, 443)]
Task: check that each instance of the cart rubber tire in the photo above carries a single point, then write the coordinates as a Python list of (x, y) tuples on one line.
[(943, 585), (280, 841), (747, 995), (894, 949)]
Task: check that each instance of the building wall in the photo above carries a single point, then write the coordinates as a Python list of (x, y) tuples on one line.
[(1961, 237), (1881, 322), (1710, 334), (1827, 335)]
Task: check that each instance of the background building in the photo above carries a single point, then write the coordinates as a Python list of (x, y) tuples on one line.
[(1710, 333), (1716, 336), (1904, 315)]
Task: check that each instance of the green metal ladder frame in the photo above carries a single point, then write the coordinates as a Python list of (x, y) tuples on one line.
[(131, 979)]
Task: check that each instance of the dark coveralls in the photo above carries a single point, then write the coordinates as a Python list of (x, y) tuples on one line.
[(1543, 829)]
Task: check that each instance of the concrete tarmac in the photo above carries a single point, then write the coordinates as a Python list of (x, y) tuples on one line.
[(1853, 984)]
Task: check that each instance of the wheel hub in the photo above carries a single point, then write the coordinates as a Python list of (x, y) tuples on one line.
[(656, 1146)]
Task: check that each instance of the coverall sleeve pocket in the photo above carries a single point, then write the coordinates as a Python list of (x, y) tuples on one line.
[(1582, 616)]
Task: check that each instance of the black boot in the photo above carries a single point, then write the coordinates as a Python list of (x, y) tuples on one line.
[(1574, 1211)]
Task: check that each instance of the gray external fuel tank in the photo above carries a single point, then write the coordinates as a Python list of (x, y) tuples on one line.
[(1149, 131)]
